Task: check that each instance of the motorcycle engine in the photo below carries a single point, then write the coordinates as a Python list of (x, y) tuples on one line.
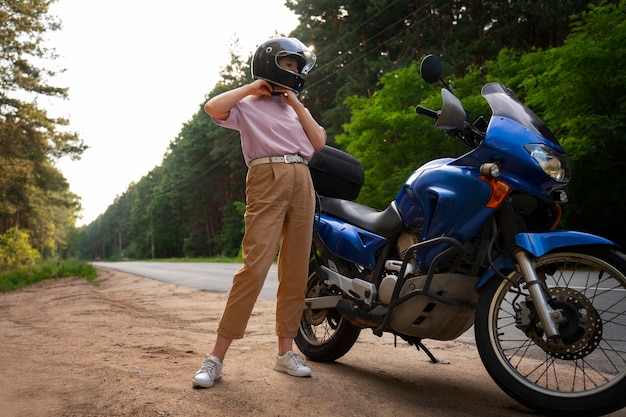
[(405, 241), (393, 266)]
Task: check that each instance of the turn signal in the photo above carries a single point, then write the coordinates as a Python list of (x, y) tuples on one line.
[(499, 191)]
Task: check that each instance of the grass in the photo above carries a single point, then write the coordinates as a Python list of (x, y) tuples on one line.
[(13, 280)]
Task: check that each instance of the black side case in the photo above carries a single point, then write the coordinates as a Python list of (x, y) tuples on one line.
[(336, 173)]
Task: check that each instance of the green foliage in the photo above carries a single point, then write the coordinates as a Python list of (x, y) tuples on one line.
[(34, 195), (16, 251), (229, 240), (359, 41), (389, 138), (24, 277)]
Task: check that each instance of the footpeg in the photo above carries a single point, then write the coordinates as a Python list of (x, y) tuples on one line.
[(365, 318)]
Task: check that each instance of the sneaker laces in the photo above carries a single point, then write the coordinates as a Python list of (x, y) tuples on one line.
[(296, 360), (209, 366)]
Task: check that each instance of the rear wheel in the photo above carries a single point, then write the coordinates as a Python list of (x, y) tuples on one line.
[(583, 374), (324, 335)]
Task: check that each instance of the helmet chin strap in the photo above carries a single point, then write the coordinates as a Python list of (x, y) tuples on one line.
[(278, 93)]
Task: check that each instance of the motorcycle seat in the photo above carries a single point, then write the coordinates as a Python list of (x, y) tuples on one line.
[(386, 223)]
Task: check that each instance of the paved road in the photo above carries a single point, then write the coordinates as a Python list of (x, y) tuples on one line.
[(204, 276)]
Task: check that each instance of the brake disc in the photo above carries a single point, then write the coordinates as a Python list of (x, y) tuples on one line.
[(582, 332)]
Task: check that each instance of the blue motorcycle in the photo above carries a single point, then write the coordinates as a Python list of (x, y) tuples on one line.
[(471, 241)]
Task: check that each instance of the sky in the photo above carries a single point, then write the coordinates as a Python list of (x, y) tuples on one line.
[(137, 70)]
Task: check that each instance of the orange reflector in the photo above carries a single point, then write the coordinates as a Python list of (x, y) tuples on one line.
[(499, 191)]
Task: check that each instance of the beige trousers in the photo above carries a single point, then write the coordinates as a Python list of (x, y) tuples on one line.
[(280, 205)]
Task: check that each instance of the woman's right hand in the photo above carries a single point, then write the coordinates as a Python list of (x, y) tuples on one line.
[(260, 88), (220, 105)]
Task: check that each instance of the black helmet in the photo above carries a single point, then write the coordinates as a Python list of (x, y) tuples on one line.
[(265, 62)]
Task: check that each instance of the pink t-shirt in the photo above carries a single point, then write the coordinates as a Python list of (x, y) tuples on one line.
[(268, 127)]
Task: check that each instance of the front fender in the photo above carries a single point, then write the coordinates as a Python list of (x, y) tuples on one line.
[(541, 243)]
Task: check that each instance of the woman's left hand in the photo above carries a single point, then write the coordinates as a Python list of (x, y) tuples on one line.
[(288, 96)]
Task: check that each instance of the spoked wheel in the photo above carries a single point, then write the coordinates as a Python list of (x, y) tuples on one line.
[(583, 373), (324, 335)]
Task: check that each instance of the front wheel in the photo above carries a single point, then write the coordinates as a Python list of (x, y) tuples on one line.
[(324, 335), (584, 373)]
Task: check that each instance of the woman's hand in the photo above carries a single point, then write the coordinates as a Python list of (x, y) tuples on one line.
[(260, 88), (220, 105), (289, 97)]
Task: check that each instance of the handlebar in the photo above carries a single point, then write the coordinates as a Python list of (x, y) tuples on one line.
[(470, 135), (427, 112)]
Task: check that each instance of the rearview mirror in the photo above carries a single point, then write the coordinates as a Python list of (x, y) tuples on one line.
[(431, 69)]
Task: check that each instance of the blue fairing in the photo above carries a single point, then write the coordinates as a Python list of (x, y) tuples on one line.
[(541, 243), (505, 144), (446, 200), (349, 242)]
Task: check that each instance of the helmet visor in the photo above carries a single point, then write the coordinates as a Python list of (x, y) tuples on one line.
[(305, 58)]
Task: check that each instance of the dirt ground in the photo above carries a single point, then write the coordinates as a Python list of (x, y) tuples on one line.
[(129, 346)]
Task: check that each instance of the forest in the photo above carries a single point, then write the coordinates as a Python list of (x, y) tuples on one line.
[(37, 209), (566, 59)]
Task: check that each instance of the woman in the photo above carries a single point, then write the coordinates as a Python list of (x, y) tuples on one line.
[(278, 138)]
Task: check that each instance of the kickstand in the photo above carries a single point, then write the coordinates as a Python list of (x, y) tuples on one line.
[(419, 345)]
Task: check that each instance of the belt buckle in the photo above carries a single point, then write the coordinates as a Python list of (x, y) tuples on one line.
[(290, 159)]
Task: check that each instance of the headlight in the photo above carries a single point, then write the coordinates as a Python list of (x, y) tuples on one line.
[(551, 161)]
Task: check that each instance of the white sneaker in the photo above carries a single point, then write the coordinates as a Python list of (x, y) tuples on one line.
[(291, 364), (208, 373)]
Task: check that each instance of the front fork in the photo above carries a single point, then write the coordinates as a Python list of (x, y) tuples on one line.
[(548, 316)]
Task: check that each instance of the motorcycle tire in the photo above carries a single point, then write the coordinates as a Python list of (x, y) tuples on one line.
[(324, 335), (585, 373)]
